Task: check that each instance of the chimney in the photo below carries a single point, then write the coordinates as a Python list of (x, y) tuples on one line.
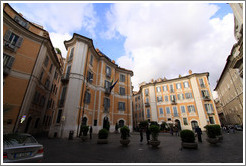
[(113, 61), (180, 76), (190, 72)]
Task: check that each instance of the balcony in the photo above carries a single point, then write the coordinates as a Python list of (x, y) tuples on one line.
[(206, 98), (147, 104), (10, 47), (65, 77)]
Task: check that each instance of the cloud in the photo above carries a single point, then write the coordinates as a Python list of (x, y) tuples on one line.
[(169, 39), (57, 41)]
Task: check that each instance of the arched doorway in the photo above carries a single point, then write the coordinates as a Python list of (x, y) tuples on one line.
[(28, 124), (121, 123), (106, 124), (177, 122), (194, 124), (84, 121)]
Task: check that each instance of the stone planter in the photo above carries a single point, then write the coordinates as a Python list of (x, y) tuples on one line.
[(84, 138), (213, 140), (102, 141), (189, 145), (124, 142), (154, 143), (220, 137)]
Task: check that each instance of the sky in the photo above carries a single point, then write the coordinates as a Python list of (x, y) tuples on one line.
[(153, 39)]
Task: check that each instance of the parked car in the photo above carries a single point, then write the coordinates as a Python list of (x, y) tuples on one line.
[(21, 148), (238, 127)]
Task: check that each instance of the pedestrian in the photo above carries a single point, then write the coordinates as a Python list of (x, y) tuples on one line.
[(90, 132), (199, 133), (171, 130), (228, 130), (176, 130), (148, 134), (141, 134)]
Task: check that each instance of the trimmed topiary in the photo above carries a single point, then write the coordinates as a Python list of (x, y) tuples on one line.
[(125, 132), (213, 130), (154, 131), (103, 134), (187, 136), (85, 130)]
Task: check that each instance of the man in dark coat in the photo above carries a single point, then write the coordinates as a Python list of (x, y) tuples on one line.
[(199, 133), (90, 132), (148, 134), (141, 134)]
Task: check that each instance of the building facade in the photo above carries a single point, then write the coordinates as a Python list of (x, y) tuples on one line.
[(86, 96), (137, 111), (31, 70), (186, 101), (230, 84)]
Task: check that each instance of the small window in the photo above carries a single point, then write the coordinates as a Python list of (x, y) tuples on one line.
[(166, 98), (168, 110), (171, 88), (209, 108), (205, 93), (21, 22), (12, 40), (71, 54), (148, 113), (46, 61), (58, 120), (185, 121), (201, 83), (47, 83), (182, 109), (106, 104), (158, 89), (161, 111), (191, 108), (91, 60), (41, 75), (186, 84), (146, 91), (159, 98), (178, 86), (8, 61), (180, 97), (122, 91), (173, 98), (89, 77), (121, 106), (106, 84), (95, 122), (87, 97), (108, 71), (122, 78), (211, 120), (51, 67), (188, 95), (164, 88)]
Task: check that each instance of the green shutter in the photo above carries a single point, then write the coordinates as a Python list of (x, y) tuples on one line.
[(10, 62), (7, 35), (19, 42)]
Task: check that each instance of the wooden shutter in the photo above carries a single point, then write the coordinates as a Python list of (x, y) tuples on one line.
[(7, 35), (10, 62), (19, 42)]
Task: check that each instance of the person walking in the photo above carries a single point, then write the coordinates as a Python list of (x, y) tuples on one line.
[(171, 130), (141, 134), (199, 133), (148, 134), (91, 132)]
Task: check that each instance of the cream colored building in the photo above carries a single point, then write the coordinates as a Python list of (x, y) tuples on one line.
[(186, 100)]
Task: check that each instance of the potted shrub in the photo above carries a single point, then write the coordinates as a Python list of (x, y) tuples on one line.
[(188, 139), (154, 129), (84, 130), (102, 136), (218, 132), (125, 133), (212, 133)]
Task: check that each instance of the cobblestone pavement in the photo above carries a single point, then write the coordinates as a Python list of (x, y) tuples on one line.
[(230, 150)]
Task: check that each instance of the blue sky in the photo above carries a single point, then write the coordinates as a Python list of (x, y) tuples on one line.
[(155, 40)]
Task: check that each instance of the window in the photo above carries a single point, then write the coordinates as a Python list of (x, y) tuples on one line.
[(175, 111), (59, 116), (158, 89), (56, 75), (106, 104), (95, 122), (89, 77), (178, 86), (209, 108), (12, 40), (36, 97), (201, 83), (173, 98), (47, 83), (164, 88), (166, 98), (159, 98), (211, 120), (188, 95), (205, 94), (63, 94), (186, 84), (147, 100), (87, 97), (122, 78), (51, 66), (161, 111), (185, 121), (191, 108), (148, 113), (46, 61), (42, 101), (182, 108), (122, 91), (171, 88), (71, 54), (168, 110), (146, 91), (121, 106), (108, 71), (91, 60), (8, 61), (21, 22), (106, 84), (180, 96)]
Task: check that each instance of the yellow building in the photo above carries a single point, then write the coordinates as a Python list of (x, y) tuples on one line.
[(85, 96), (186, 100), (31, 73)]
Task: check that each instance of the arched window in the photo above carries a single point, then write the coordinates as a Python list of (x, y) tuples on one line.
[(84, 121), (121, 123)]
